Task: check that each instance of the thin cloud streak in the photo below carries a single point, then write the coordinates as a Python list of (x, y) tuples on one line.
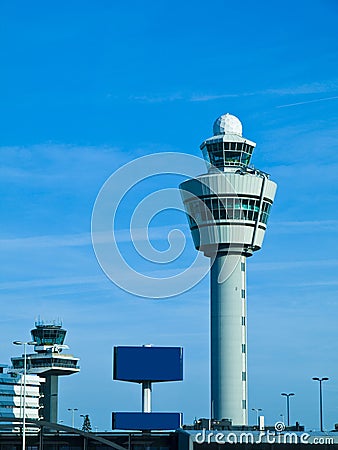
[(316, 223), (48, 282), (312, 88), (308, 101), (90, 280), (74, 240), (157, 233), (209, 97), (156, 98), (100, 279), (290, 265), (316, 284), (84, 239), (306, 226), (309, 88)]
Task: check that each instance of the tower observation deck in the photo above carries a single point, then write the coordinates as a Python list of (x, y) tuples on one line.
[(49, 362), (227, 210)]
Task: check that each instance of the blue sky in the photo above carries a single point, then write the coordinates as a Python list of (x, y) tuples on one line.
[(89, 86)]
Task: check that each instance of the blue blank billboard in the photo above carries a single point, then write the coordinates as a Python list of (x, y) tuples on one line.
[(153, 364), (146, 421)]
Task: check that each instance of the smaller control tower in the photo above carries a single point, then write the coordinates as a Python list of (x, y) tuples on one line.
[(49, 362)]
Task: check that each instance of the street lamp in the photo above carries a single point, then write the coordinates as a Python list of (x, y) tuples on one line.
[(257, 411), (288, 404), (320, 399), (24, 388), (73, 412)]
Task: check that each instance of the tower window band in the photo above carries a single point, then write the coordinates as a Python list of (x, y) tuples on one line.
[(227, 208), (222, 154)]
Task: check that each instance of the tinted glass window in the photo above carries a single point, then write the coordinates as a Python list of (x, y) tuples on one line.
[(228, 208)]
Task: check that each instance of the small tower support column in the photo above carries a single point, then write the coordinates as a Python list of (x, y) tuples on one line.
[(146, 396), (50, 391)]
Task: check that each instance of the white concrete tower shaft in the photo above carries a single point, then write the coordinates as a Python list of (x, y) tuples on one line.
[(228, 209), (229, 393)]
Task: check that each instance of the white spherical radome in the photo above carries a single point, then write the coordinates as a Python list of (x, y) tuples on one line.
[(227, 124)]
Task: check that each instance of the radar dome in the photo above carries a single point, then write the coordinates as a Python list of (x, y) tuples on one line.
[(227, 124)]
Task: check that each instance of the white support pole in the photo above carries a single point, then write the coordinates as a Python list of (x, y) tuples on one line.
[(146, 396)]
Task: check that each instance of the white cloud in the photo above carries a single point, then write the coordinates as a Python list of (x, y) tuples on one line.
[(50, 164), (290, 265), (156, 98), (308, 101), (307, 88), (73, 240), (48, 282), (210, 97), (84, 239), (302, 89), (305, 226)]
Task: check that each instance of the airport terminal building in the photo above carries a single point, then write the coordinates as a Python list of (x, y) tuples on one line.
[(66, 438)]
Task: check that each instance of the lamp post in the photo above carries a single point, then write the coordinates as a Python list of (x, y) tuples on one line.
[(73, 412), (288, 404), (320, 399), (24, 388), (257, 411)]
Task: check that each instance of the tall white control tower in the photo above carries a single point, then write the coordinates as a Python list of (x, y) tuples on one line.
[(228, 209)]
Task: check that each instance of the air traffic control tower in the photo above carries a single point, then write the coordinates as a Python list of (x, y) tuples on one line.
[(228, 209), (49, 363)]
